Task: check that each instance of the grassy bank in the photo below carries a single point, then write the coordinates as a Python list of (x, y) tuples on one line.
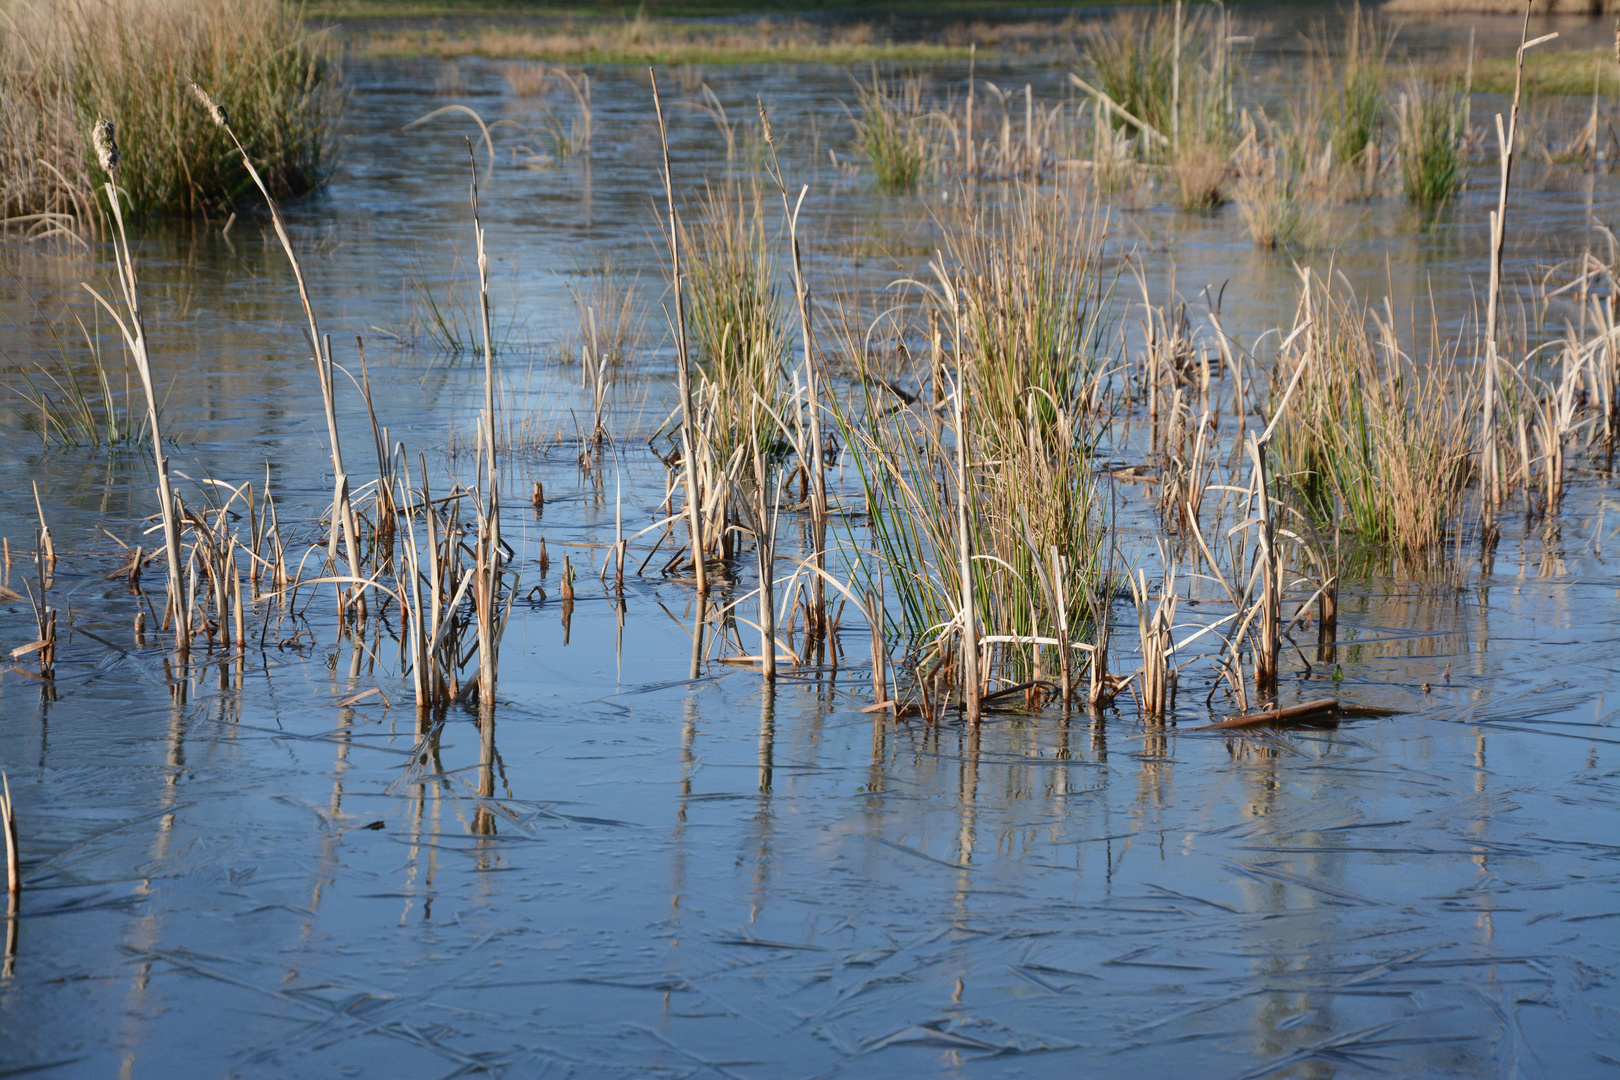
[(1561, 71), (64, 64), (648, 41), (685, 9)]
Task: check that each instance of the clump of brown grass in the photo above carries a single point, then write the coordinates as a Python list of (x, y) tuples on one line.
[(611, 320), (1279, 202), (64, 63)]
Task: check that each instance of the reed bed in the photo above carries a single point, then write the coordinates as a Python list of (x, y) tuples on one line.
[(978, 529), (645, 40), (66, 63)]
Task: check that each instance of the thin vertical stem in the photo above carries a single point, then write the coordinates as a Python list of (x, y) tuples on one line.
[(688, 436)]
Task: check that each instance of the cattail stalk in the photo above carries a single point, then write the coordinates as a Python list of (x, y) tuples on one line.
[(1498, 218), (103, 139)]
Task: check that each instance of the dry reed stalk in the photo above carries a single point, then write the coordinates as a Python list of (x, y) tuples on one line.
[(489, 550), (968, 613), (8, 824), (1492, 493), (816, 462), (683, 366), (105, 146)]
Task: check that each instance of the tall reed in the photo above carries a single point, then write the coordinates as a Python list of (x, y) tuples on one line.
[(132, 325)]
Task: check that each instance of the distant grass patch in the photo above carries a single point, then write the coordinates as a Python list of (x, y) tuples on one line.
[(1563, 71), (657, 44), (682, 9)]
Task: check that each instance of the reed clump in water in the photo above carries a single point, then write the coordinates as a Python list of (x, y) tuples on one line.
[(64, 63), (980, 492), (891, 129), (1168, 74), (736, 316), (1357, 85), (1133, 61), (1429, 140), (1376, 441)]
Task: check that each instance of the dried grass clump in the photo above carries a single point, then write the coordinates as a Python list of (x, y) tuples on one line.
[(66, 63), (1283, 204)]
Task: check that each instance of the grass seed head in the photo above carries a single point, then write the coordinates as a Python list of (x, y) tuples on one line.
[(216, 113), (106, 146)]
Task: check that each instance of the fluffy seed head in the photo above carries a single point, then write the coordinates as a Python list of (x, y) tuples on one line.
[(214, 111), (106, 145)]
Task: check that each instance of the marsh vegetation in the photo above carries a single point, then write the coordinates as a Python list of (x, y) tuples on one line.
[(951, 416)]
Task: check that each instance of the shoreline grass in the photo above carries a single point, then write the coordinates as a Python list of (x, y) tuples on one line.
[(673, 47), (65, 65), (684, 9)]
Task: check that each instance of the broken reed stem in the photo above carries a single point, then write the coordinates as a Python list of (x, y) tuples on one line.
[(880, 653), (8, 823), (489, 522), (134, 334), (1060, 587), (1270, 632), (1505, 142), (682, 369)]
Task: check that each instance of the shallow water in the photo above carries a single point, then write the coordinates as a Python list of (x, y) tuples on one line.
[(228, 872)]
